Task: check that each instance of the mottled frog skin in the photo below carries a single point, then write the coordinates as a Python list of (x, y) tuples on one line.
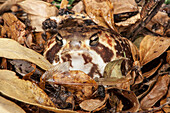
[(89, 47)]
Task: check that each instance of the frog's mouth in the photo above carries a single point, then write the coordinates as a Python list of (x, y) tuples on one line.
[(87, 61)]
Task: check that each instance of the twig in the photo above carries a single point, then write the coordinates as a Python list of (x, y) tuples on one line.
[(144, 21)]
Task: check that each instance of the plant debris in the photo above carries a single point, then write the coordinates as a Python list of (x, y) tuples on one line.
[(30, 83)]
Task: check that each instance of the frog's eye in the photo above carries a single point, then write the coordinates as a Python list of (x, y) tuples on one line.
[(59, 39), (94, 40)]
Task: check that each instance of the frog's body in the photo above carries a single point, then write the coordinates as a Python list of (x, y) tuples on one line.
[(89, 47)]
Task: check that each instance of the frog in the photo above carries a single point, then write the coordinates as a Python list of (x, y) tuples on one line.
[(75, 38)]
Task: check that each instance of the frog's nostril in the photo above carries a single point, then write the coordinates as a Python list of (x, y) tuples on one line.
[(75, 44)]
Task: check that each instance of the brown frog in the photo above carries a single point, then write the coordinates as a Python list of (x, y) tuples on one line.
[(88, 47)]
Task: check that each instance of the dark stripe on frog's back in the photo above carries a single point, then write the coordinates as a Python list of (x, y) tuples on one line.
[(50, 55), (105, 53), (125, 52)]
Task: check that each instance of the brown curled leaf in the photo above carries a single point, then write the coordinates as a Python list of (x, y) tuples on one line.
[(163, 101), (159, 23), (128, 98), (158, 91), (152, 47), (151, 72), (74, 80), (14, 28), (92, 104)]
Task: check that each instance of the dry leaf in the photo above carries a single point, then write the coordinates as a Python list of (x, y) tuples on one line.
[(79, 7), (63, 4), (92, 104), (22, 90), (152, 47), (129, 21), (25, 68), (3, 64), (38, 7), (128, 98), (36, 41), (166, 107), (7, 106), (14, 28), (13, 50), (132, 97), (101, 12), (121, 83), (113, 69), (145, 88), (151, 72), (38, 11), (168, 57), (159, 23), (7, 5), (158, 91), (74, 80), (123, 6), (25, 91)]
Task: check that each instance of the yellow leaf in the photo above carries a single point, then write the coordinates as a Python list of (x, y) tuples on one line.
[(7, 106), (25, 91), (13, 50)]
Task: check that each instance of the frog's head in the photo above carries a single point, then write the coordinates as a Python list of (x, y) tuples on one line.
[(86, 45)]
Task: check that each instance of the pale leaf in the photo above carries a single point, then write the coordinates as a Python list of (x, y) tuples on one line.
[(25, 91), (7, 106), (13, 50), (79, 7), (38, 11), (40, 8)]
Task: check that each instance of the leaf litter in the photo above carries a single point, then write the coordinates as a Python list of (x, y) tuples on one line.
[(28, 77)]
